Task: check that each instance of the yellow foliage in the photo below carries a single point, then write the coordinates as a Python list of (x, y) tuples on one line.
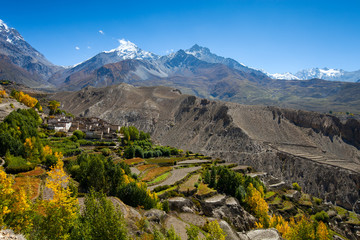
[(280, 224), (322, 232), (257, 204), (14, 203), (6, 192), (3, 93), (47, 150), (302, 229), (26, 99), (214, 231), (62, 210)]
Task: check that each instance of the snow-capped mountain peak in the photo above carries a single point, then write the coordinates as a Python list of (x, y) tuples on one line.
[(128, 50), (3, 26), (9, 34), (283, 76), (322, 73)]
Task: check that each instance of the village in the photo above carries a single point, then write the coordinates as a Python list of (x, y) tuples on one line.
[(94, 128)]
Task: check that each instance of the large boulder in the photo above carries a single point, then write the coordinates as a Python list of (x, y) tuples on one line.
[(228, 208), (181, 204), (264, 234)]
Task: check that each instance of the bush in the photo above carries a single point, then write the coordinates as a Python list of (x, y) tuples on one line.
[(161, 188), (129, 152), (73, 138), (139, 152), (106, 151), (165, 206), (296, 186), (322, 216), (79, 134), (50, 161), (60, 134), (19, 169)]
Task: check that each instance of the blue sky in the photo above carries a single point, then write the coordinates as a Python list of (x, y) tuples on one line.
[(275, 35)]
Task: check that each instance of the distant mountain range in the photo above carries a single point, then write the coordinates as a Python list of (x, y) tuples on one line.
[(195, 71), (320, 73)]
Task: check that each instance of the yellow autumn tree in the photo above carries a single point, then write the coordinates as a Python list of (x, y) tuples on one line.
[(302, 229), (322, 232), (47, 150), (280, 224), (61, 211), (15, 206), (6, 192), (3, 93), (214, 231), (257, 205)]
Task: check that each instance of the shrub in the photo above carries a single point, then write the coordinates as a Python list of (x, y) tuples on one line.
[(73, 138), (139, 152), (79, 134), (50, 161), (165, 206), (19, 169), (161, 188), (129, 152), (296, 186), (106, 151), (321, 216), (60, 134)]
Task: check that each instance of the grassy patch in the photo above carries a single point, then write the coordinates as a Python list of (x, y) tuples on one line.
[(276, 201), (189, 184), (305, 200), (142, 168), (29, 184), (353, 219), (16, 161), (154, 172), (269, 194), (203, 189), (133, 161), (160, 178), (287, 205), (38, 171), (341, 211), (167, 190)]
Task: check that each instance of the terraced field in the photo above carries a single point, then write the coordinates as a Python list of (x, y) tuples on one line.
[(176, 175)]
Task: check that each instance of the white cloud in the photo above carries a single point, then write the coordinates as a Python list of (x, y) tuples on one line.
[(169, 51), (89, 47), (101, 32), (77, 48)]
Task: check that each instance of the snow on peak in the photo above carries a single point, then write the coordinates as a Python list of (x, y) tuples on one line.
[(322, 73), (3, 26), (282, 76), (128, 50)]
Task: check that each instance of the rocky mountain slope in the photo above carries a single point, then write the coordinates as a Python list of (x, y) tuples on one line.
[(22, 54), (317, 151)]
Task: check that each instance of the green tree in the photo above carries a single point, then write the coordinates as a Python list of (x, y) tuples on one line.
[(79, 134), (192, 232), (214, 231), (129, 152), (53, 106), (100, 220)]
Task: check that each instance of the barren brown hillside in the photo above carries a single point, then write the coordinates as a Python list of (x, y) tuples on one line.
[(315, 150)]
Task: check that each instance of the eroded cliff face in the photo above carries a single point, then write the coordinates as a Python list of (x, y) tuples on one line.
[(294, 146)]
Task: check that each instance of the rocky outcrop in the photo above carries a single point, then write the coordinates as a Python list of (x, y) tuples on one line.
[(223, 207)]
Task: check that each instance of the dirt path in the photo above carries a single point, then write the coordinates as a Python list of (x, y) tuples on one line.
[(176, 175)]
